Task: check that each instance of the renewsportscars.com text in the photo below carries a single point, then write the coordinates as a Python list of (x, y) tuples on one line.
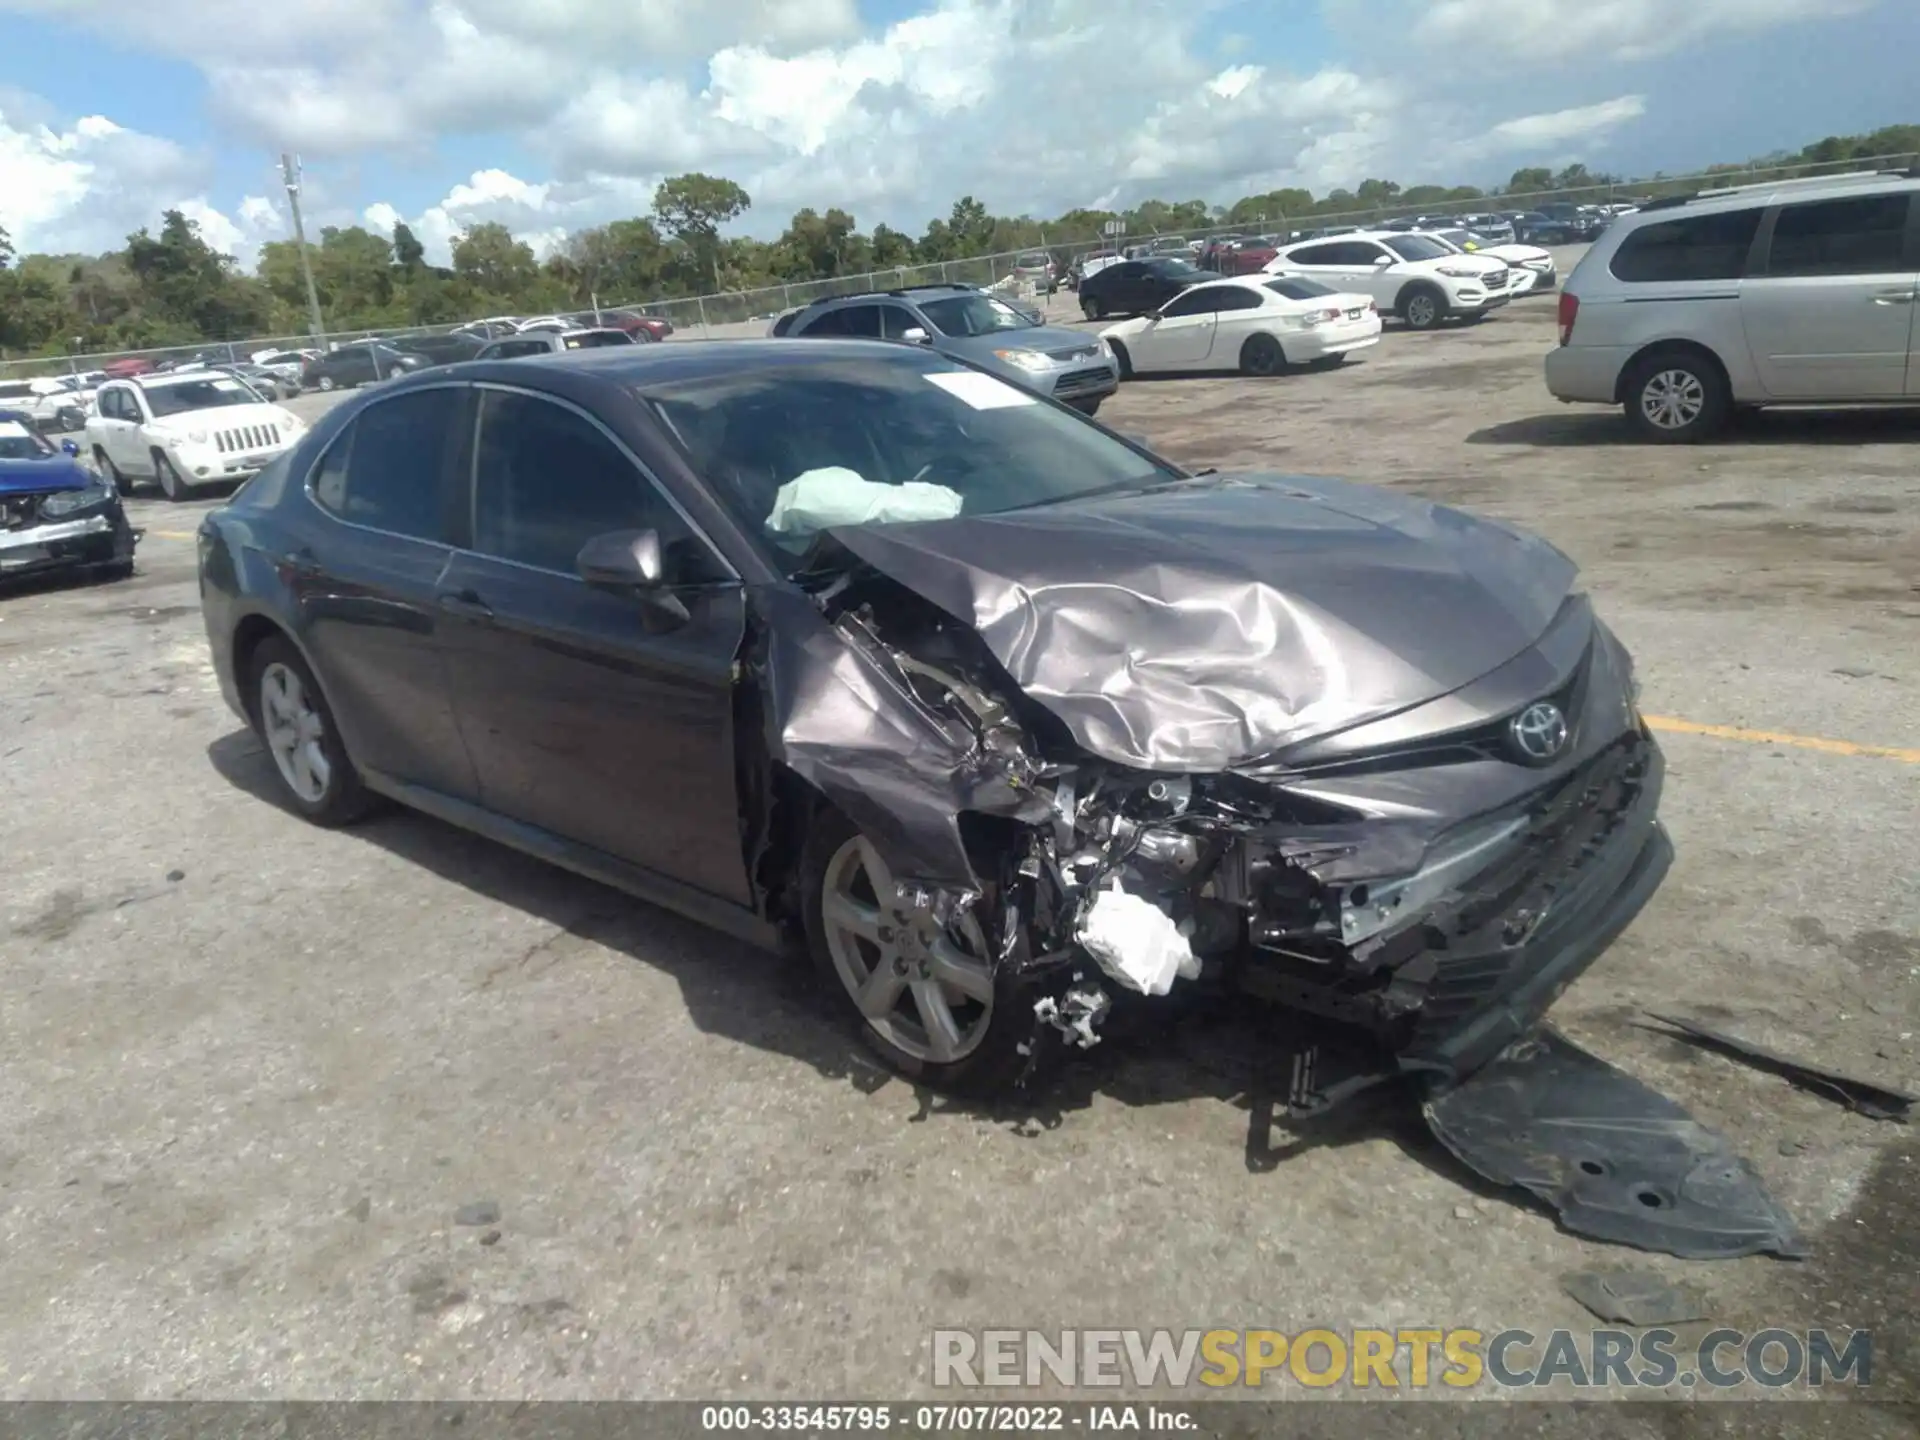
[(1414, 1359)]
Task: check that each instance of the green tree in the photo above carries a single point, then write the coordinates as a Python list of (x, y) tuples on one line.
[(186, 281), (891, 248), (691, 208), (408, 253), (488, 258), (1530, 181)]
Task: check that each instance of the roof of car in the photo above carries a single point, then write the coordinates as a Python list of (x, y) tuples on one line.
[(1771, 192), (641, 366)]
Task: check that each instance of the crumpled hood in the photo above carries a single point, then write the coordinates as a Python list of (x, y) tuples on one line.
[(1218, 620), (40, 477)]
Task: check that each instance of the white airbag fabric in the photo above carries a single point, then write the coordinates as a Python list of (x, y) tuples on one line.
[(1136, 943), (834, 495)]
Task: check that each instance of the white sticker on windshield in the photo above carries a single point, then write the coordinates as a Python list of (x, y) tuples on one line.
[(228, 385), (982, 392)]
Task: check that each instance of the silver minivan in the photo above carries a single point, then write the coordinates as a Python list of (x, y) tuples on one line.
[(1798, 292)]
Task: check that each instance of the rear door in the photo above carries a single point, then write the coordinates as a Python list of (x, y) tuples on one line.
[(368, 582), (587, 714), (1828, 310)]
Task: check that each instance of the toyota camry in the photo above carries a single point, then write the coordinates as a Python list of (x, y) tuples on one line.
[(996, 714)]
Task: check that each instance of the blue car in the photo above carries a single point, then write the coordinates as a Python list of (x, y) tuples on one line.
[(55, 513)]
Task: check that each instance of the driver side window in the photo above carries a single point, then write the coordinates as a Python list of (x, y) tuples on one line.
[(1194, 302), (546, 480)]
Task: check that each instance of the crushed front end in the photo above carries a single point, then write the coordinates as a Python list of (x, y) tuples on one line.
[(55, 514), (1423, 884)]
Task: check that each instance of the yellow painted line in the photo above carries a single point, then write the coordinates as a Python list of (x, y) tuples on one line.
[(1776, 737), (172, 534)]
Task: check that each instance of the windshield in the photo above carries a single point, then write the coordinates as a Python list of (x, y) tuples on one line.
[(974, 315), (1178, 270), (1415, 247), (1298, 287), (792, 450), (17, 442), (204, 394)]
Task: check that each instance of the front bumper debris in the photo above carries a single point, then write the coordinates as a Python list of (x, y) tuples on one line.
[(89, 540), (1617, 1160)]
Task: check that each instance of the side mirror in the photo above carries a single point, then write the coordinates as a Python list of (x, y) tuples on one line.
[(916, 335), (1383, 259), (630, 562), (69, 447)]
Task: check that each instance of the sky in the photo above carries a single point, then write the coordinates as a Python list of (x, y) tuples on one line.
[(553, 115)]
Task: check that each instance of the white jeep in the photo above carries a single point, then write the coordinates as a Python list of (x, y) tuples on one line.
[(186, 429), (1412, 276)]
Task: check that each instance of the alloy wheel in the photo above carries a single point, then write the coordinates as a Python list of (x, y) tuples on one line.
[(1672, 399), (925, 987), (1421, 312), (295, 733)]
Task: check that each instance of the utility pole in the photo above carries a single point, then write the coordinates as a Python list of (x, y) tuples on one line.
[(290, 169)]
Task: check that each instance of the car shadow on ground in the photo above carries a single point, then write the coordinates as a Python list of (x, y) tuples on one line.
[(1891, 425), (1193, 1047)]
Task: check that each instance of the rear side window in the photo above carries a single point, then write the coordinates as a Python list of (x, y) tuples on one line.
[(387, 470), (1236, 297), (1689, 247), (594, 339), (1864, 236)]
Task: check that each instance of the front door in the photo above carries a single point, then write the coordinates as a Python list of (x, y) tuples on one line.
[(1182, 334), (1829, 312), (591, 714)]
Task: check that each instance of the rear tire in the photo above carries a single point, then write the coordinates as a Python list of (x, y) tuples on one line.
[(104, 463), (889, 967), (290, 715), (1094, 308), (1262, 355), (1677, 398)]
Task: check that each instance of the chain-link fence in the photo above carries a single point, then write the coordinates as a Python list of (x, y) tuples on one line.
[(749, 312)]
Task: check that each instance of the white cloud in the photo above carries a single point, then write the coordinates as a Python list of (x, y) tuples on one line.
[(1615, 29), (1030, 105), (84, 186)]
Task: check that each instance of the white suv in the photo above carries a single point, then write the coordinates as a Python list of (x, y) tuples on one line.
[(1413, 276), (185, 429), (1797, 292)]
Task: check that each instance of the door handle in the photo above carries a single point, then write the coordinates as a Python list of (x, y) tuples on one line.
[(1902, 299), (466, 603)]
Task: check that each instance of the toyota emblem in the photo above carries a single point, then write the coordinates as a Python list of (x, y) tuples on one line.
[(1539, 733)]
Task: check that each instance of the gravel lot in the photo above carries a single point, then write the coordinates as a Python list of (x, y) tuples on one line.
[(250, 1071)]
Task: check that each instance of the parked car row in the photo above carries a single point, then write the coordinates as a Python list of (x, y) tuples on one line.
[(185, 430)]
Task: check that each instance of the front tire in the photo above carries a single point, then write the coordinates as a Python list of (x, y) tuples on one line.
[(290, 714), (1122, 359), (1423, 308), (1262, 355), (926, 998), (1677, 398), (1088, 408), (326, 383)]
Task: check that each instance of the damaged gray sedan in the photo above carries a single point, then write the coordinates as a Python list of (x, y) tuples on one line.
[(998, 715)]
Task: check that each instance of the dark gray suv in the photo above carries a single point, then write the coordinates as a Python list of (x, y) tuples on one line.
[(1073, 367)]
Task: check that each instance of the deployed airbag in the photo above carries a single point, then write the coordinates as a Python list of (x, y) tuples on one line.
[(834, 495)]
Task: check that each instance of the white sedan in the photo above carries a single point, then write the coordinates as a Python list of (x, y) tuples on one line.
[(1256, 324)]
